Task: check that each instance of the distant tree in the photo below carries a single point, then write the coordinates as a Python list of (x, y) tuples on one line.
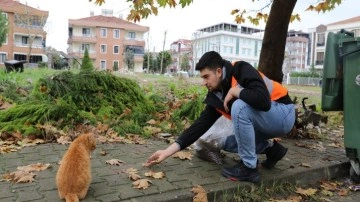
[(86, 64), (184, 62), (166, 60), (148, 63), (4, 28), (129, 59), (277, 23)]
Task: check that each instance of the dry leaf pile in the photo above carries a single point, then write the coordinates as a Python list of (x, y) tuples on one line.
[(24, 173)]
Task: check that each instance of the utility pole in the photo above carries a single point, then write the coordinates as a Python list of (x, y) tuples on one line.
[(148, 56), (162, 54)]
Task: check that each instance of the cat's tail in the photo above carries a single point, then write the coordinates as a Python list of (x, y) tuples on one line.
[(71, 198)]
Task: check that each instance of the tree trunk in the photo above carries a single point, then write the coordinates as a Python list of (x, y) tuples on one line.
[(273, 45)]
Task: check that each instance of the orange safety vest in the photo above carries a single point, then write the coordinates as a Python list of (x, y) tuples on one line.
[(275, 89)]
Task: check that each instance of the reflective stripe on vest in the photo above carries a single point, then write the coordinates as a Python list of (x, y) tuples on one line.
[(276, 90)]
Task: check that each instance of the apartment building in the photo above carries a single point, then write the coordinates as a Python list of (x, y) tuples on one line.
[(318, 37), (26, 39), (111, 41), (296, 51), (233, 42), (179, 50)]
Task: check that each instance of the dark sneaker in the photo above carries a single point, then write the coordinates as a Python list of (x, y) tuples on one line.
[(241, 173), (273, 155)]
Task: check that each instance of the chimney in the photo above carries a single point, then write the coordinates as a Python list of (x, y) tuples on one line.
[(91, 13), (121, 16), (106, 12)]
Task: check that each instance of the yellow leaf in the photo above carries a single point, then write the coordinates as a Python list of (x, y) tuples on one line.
[(116, 162), (306, 192), (156, 175), (183, 155), (305, 165), (142, 184), (134, 176), (34, 167), (343, 192), (200, 194)]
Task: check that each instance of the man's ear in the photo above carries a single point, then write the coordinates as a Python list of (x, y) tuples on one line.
[(219, 70)]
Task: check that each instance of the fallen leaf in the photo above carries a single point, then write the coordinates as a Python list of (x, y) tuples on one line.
[(331, 186), (343, 192), (64, 140), (134, 176), (26, 178), (151, 122), (103, 153), (183, 155), (305, 165), (326, 192), (200, 194), (141, 184), (306, 192), (19, 176), (34, 167), (156, 175), (116, 162), (130, 170)]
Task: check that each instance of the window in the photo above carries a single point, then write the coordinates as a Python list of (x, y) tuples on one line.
[(103, 32), (103, 48), (85, 46), (131, 35), (116, 49), (116, 33), (25, 40), (102, 64), (2, 58), (116, 65), (86, 31), (321, 39)]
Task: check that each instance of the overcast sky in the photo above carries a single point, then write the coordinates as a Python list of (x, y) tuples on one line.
[(178, 22)]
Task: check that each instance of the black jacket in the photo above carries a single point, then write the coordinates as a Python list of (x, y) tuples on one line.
[(255, 93)]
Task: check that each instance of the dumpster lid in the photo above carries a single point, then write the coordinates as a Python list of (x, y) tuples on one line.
[(13, 62)]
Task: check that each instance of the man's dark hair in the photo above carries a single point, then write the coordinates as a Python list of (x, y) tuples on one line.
[(210, 60)]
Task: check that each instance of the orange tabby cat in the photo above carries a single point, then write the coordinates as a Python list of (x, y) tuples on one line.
[(74, 175)]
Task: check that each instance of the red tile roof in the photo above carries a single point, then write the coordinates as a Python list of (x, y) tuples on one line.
[(347, 21), (107, 21), (13, 6)]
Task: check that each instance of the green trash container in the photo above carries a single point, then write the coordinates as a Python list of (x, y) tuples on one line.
[(341, 90)]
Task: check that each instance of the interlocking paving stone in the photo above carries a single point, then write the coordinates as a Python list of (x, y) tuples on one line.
[(110, 183)]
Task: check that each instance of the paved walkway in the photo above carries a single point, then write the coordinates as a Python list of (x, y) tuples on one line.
[(111, 184)]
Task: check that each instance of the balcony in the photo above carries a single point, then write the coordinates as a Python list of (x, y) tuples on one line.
[(320, 44), (80, 54), (133, 42), (138, 58), (319, 62), (27, 45), (82, 39)]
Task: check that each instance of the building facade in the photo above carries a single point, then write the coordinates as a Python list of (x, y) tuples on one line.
[(181, 53), (232, 41), (113, 43), (318, 37), (296, 52), (26, 38)]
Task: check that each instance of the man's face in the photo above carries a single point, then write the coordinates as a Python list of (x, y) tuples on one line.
[(211, 79)]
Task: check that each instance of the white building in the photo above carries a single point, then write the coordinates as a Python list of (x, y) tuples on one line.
[(318, 36), (296, 51), (233, 42)]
